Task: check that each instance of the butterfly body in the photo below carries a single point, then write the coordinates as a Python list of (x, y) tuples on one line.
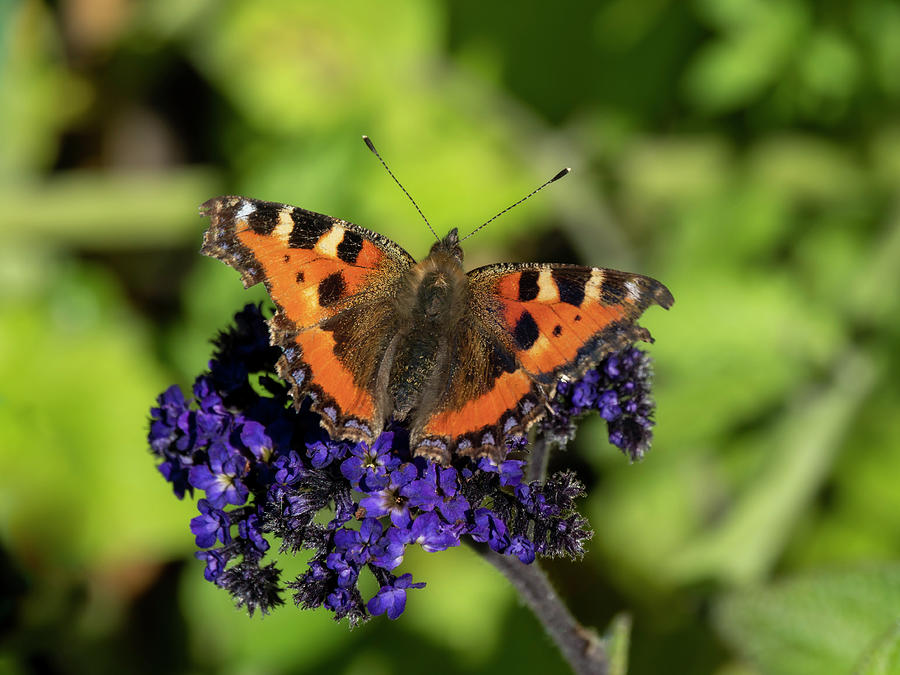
[(371, 335), (430, 305)]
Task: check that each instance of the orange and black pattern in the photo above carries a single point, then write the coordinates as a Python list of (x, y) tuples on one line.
[(371, 335)]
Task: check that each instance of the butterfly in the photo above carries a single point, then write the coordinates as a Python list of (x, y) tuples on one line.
[(370, 335)]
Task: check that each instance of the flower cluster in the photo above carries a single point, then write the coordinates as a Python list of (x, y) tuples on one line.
[(265, 467), (619, 389)]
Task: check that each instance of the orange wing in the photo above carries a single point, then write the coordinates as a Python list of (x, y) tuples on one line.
[(559, 320), (331, 282), (533, 324)]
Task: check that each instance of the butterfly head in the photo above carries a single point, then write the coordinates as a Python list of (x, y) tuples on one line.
[(448, 246)]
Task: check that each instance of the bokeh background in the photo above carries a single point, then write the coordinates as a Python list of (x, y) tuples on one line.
[(745, 152)]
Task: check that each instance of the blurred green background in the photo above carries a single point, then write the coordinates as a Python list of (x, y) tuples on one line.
[(744, 152)]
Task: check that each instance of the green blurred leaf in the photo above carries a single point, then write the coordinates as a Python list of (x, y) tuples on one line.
[(829, 67), (38, 96), (77, 380), (816, 623), (617, 641), (760, 37), (746, 542), (103, 210), (884, 657), (878, 23), (805, 167)]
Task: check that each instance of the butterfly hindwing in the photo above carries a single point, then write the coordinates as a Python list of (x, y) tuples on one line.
[(323, 274), (488, 398)]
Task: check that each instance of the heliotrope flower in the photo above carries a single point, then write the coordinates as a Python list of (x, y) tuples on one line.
[(268, 473), (619, 389)]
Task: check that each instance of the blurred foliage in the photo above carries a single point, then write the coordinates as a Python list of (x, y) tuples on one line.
[(745, 152)]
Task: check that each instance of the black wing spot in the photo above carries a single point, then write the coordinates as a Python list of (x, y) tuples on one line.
[(287, 258), (264, 219), (557, 330), (500, 361), (308, 229), (526, 331), (571, 284), (578, 317), (331, 288), (350, 246), (300, 277), (528, 285)]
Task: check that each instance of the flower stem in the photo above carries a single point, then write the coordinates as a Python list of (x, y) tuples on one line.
[(581, 647), (538, 459)]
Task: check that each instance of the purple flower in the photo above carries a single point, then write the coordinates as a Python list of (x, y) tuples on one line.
[(452, 504), (289, 468), (388, 551), (511, 471), (585, 393), (322, 453), (422, 493), (522, 548), (221, 476), (347, 574), (487, 527), (339, 601), (210, 525), (356, 544), (215, 563), (391, 500), (164, 436), (253, 436), (249, 529), (368, 468), (608, 405), (430, 532), (391, 599), (619, 389), (164, 418)]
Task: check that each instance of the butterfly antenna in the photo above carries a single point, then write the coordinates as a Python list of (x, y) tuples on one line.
[(375, 152), (562, 173)]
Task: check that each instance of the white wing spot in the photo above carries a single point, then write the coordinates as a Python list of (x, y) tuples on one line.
[(547, 290), (246, 209), (284, 227), (634, 291), (328, 244), (592, 287)]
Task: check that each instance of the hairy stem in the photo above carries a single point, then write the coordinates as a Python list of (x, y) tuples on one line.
[(581, 647), (538, 459)]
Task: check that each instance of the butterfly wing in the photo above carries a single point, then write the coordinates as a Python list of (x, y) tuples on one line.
[(332, 284), (529, 325)]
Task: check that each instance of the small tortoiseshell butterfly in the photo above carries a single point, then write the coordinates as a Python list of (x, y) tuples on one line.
[(370, 335)]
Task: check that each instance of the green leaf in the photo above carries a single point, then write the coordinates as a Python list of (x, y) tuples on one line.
[(617, 641), (818, 623), (103, 210), (884, 658)]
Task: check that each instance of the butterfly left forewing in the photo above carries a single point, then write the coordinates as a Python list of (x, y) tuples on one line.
[(332, 283)]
